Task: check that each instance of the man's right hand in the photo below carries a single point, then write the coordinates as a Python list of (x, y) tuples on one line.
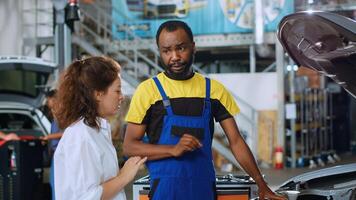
[(186, 143)]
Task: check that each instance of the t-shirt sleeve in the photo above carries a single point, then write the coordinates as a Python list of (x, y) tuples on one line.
[(140, 102), (224, 105)]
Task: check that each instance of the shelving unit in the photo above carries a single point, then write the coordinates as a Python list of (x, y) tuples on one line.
[(313, 143)]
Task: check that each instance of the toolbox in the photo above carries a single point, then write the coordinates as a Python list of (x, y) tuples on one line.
[(228, 187)]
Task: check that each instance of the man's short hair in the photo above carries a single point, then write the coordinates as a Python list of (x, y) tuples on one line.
[(174, 25), (51, 93)]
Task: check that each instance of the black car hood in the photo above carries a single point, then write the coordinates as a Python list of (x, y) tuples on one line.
[(322, 41)]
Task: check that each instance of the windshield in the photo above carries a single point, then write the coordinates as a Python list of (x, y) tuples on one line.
[(22, 82)]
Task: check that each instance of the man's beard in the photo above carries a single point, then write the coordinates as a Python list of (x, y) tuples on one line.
[(187, 72)]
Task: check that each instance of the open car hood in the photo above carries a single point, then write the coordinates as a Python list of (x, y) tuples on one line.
[(322, 41), (338, 183), (23, 79)]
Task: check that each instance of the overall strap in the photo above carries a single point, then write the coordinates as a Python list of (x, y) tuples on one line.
[(207, 90), (165, 98), (207, 95)]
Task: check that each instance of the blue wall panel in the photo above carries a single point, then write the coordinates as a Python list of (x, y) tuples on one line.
[(204, 16)]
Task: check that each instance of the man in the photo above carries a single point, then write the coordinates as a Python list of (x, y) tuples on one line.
[(176, 109), (54, 136)]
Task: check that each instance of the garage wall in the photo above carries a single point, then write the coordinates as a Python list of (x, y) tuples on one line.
[(258, 89), (10, 27)]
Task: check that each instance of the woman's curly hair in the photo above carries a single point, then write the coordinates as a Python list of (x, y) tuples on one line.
[(76, 89)]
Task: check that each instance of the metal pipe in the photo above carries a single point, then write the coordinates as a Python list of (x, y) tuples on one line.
[(252, 59), (292, 121)]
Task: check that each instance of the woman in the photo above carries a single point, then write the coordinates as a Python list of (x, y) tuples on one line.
[(85, 160)]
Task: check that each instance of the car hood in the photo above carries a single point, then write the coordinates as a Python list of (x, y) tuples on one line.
[(318, 174), (337, 182), (322, 41), (23, 79)]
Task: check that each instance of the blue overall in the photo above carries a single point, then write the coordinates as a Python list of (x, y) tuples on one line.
[(190, 176)]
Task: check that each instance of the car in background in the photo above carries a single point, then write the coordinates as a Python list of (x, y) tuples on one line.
[(166, 8), (23, 83), (135, 5), (22, 92)]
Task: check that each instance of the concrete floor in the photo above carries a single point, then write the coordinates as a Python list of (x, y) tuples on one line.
[(273, 177)]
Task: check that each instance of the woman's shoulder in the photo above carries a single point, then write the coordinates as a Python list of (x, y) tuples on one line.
[(76, 131), (75, 136)]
